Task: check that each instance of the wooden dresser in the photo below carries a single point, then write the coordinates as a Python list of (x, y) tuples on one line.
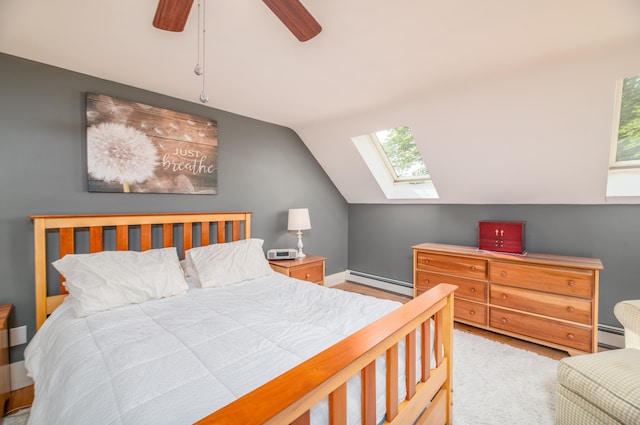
[(548, 299), (5, 375)]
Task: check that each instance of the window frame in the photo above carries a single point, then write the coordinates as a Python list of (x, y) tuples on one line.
[(375, 140)]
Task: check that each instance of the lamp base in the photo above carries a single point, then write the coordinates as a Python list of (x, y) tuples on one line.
[(300, 253)]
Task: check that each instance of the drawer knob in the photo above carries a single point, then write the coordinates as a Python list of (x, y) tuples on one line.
[(571, 336), (570, 309), (503, 296), (472, 290), (473, 268), (504, 320), (571, 283), (308, 275), (472, 313), (503, 274)]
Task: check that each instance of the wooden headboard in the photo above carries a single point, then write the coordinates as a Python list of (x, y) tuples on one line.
[(130, 231)]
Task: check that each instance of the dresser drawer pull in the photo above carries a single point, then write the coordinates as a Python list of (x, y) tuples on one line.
[(503, 296), (472, 290), (308, 275), (571, 309), (472, 313), (503, 274), (473, 268), (570, 336), (571, 283), (504, 320)]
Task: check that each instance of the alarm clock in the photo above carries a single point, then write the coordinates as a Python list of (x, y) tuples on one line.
[(282, 254)]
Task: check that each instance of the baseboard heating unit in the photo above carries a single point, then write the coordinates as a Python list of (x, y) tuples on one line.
[(379, 282)]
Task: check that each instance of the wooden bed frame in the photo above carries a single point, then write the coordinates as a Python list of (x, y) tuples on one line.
[(288, 398)]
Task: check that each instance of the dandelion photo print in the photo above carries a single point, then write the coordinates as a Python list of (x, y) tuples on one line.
[(133, 147)]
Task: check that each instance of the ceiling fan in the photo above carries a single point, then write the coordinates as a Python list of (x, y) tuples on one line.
[(171, 15)]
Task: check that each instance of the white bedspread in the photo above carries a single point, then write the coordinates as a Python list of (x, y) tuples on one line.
[(175, 360)]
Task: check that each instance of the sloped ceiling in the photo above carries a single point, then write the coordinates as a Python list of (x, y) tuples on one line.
[(510, 101)]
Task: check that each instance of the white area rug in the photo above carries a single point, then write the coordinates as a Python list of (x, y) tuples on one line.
[(497, 384)]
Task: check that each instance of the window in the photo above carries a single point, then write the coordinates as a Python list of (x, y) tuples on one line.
[(400, 153), (623, 180), (395, 162), (627, 143)]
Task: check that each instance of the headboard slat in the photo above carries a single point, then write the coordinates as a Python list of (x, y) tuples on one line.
[(146, 238), (167, 235), (66, 225), (187, 236), (204, 232), (96, 243), (222, 233), (122, 237)]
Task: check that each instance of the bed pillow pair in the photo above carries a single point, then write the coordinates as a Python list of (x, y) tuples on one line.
[(109, 279), (224, 264)]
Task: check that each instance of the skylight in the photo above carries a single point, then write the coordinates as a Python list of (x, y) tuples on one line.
[(396, 163), (398, 147), (624, 161)]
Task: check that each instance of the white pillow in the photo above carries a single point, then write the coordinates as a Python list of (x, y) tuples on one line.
[(227, 263), (109, 279)]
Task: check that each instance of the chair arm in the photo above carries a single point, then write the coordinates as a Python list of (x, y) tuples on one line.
[(628, 313)]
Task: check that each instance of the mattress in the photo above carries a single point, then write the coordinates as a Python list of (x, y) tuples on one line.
[(178, 359)]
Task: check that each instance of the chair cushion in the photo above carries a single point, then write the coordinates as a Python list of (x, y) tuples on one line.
[(609, 380)]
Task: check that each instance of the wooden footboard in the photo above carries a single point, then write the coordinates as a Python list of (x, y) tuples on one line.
[(288, 398)]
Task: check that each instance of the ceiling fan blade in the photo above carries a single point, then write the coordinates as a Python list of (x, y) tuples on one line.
[(295, 17), (171, 15)]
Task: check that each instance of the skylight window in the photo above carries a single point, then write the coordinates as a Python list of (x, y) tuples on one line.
[(623, 180), (627, 146), (394, 160), (400, 153)]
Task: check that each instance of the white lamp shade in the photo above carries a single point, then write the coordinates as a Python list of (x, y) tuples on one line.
[(299, 219)]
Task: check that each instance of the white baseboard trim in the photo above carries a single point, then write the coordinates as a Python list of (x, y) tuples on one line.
[(19, 378), (391, 285), (334, 279)]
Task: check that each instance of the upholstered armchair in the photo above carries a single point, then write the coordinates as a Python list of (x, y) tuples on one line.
[(602, 388), (628, 313)]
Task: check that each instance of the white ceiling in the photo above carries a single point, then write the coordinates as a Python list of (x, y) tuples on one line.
[(510, 101)]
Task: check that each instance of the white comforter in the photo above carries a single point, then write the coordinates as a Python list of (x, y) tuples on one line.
[(175, 360)]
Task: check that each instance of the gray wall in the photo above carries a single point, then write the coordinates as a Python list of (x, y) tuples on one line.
[(381, 236), (43, 171)]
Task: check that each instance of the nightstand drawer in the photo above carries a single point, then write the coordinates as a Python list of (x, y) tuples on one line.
[(310, 268), (312, 273)]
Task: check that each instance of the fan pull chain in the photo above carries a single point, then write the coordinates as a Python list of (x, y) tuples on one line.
[(200, 70)]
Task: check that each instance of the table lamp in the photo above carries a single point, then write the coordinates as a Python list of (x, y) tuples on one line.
[(299, 220)]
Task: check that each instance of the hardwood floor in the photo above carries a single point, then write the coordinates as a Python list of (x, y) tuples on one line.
[(525, 345)]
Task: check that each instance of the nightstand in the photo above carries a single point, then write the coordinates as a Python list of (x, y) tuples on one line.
[(5, 376), (309, 268)]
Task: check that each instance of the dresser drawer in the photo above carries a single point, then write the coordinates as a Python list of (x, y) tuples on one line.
[(470, 289), (558, 280), (544, 329), (470, 312), (460, 266), (557, 306)]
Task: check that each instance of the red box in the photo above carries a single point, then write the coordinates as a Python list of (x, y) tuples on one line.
[(501, 236)]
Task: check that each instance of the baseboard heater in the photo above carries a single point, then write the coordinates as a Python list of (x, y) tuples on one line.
[(608, 336), (379, 282)]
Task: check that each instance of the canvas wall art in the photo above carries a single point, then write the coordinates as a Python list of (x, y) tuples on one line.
[(133, 147)]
